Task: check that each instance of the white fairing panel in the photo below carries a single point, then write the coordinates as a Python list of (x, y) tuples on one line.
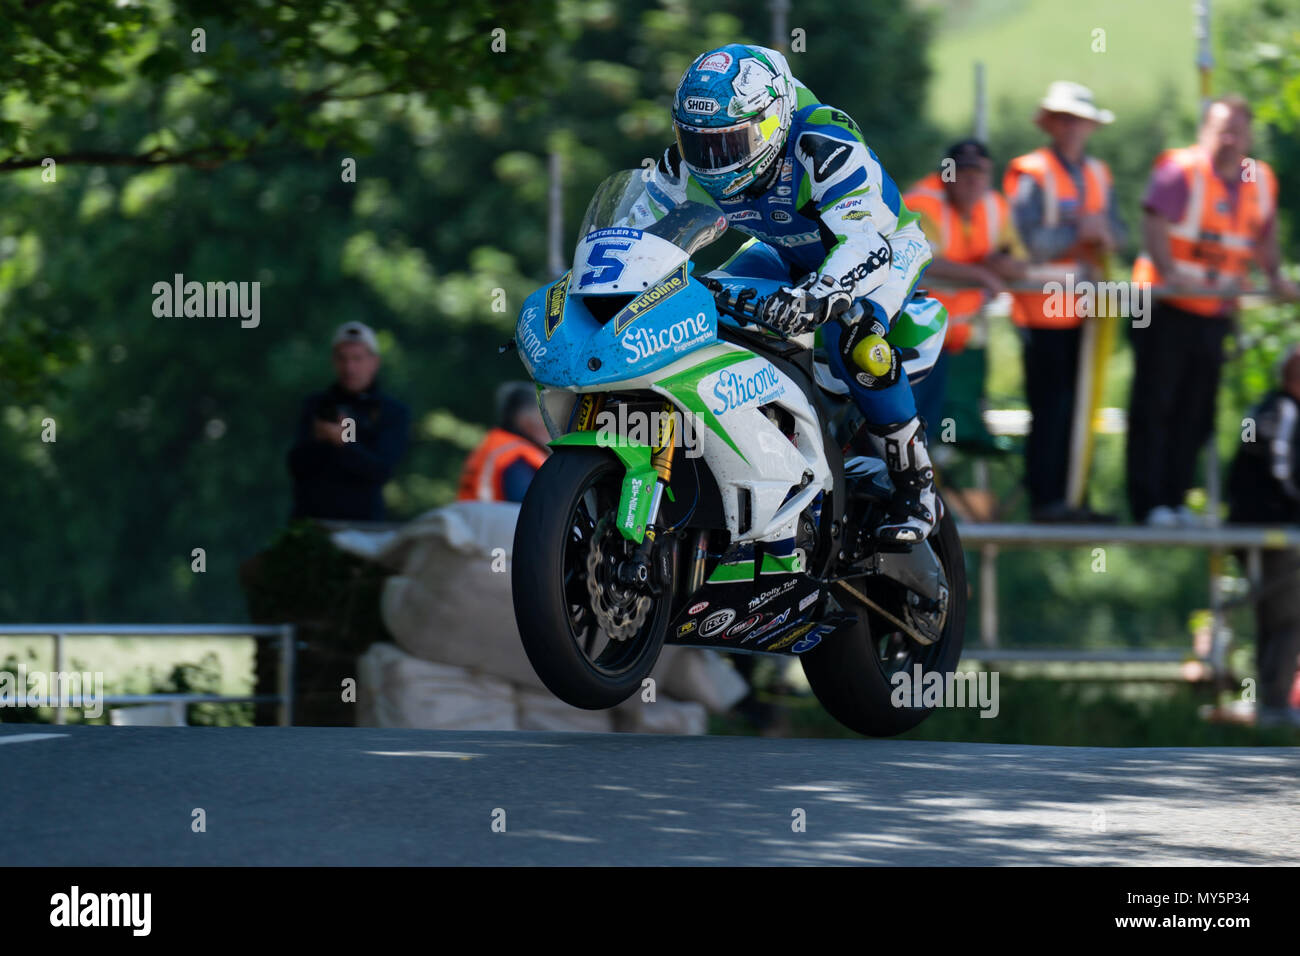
[(772, 465), (621, 260), (769, 465)]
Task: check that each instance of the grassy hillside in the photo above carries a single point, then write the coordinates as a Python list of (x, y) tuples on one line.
[(1025, 44)]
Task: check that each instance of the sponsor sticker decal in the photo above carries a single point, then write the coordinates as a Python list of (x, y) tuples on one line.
[(734, 391), (529, 341), (744, 625), (689, 332), (660, 292), (555, 305), (697, 608), (771, 625), (717, 621), (788, 639), (700, 104), (806, 602), (719, 62)]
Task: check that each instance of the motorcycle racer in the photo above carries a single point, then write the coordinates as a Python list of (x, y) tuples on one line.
[(796, 176)]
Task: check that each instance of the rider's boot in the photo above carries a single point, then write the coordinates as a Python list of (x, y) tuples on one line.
[(914, 509)]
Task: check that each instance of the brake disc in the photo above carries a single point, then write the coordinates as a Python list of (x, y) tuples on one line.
[(928, 622), (619, 611)]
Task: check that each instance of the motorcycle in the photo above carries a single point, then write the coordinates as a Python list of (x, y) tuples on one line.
[(698, 493)]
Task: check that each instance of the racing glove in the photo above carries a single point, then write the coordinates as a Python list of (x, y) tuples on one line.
[(799, 309), (873, 362)]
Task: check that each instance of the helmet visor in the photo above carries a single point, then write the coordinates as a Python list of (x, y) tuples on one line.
[(720, 150)]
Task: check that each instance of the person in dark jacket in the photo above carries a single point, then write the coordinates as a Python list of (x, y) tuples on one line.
[(350, 437), (1264, 488)]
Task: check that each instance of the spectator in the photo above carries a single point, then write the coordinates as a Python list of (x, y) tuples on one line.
[(1262, 489), (975, 249), (502, 466), (1208, 212), (350, 436), (1063, 206)]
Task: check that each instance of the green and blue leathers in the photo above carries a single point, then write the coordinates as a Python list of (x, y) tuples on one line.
[(828, 206)]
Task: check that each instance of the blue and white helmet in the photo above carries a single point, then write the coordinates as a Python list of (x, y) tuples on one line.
[(731, 114)]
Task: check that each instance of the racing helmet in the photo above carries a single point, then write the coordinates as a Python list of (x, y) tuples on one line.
[(731, 114)]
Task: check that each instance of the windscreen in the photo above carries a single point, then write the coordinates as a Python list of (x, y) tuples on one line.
[(621, 200)]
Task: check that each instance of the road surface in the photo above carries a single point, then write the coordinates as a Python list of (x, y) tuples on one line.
[(331, 796)]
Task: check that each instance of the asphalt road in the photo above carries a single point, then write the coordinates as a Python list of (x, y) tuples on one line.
[(325, 796)]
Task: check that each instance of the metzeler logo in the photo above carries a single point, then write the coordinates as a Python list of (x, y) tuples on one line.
[(643, 343), (734, 390), (102, 909), (629, 520)]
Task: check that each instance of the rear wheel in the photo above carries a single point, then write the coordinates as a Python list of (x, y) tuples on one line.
[(590, 638), (851, 674)]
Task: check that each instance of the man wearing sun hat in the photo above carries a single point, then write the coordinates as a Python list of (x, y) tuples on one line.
[(1063, 206), (350, 436)]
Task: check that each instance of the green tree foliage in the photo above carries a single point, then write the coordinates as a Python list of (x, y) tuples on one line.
[(172, 432)]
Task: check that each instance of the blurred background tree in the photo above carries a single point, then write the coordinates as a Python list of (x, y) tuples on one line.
[(226, 166)]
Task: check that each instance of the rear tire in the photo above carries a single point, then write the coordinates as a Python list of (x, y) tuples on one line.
[(558, 521), (849, 676)]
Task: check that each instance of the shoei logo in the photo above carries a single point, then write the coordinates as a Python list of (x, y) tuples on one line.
[(735, 391), (700, 104)]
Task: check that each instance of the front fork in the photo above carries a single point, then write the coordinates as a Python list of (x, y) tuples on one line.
[(650, 567)]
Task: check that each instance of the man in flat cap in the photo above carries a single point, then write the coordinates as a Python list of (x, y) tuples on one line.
[(350, 436)]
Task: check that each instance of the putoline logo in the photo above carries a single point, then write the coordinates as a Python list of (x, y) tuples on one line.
[(555, 304), (716, 621), (649, 299)]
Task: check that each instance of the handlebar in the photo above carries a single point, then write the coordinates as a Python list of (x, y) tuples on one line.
[(738, 306)]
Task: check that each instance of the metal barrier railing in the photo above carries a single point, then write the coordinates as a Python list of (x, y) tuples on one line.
[(989, 538), (285, 632)]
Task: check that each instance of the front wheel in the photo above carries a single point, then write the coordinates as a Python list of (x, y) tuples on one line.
[(591, 639), (852, 674)]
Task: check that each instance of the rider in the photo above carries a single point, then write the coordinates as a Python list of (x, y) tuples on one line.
[(796, 176)]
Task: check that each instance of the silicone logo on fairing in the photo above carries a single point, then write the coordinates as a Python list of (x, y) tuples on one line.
[(735, 391)]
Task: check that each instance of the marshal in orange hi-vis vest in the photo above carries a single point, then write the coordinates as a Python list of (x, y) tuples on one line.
[(481, 479), (961, 241), (1213, 242), (1060, 198)]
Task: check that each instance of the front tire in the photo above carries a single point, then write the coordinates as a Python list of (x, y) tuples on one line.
[(850, 674), (569, 510)]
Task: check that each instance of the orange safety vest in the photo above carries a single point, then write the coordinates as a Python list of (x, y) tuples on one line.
[(482, 476), (1213, 241), (1059, 198), (964, 241)]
